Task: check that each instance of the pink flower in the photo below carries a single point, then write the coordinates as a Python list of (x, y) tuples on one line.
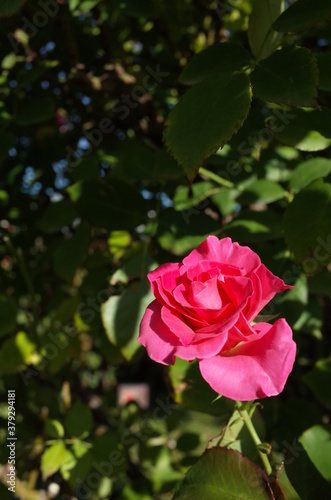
[(203, 310)]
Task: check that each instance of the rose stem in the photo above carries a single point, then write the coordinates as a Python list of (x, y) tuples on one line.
[(254, 435), (216, 178)]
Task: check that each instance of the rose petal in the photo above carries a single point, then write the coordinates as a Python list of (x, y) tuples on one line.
[(163, 281), (240, 332), (156, 337), (162, 345), (224, 252), (175, 323), (205, 295), (238, 289), (203, 347), (199, 317), (266, 286), (254, 369)]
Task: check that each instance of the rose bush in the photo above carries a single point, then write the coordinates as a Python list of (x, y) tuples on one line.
[(204, 308)]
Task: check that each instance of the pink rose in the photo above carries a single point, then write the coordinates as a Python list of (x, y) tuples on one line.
[(203, 309)]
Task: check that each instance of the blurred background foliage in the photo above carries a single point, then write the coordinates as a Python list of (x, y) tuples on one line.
[(92, 197)]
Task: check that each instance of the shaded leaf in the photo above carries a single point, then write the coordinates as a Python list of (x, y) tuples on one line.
[(16, 352), (289, 76), (284, 483), (79, 420), (309, 171), (263, 40), (221, 58), (250, 227), (324, 64), (56, 216), (319, 380), (205, 119), (306, 130), (192, 391), (122, 314), (303, 475), (186, 197), (317, 443), (262, 192), (306, 224), (181, 234), (54, 429), (226, 474), (303, 14), (115, 205), (69, 254)]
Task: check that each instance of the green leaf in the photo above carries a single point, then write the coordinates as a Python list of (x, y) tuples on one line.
[(82, 7), (306, 130), (262, 192), (284, 483), (309, 171), (36, 111), (118, 243), (8, 313), (122, 314), (115, 205), (192, 391), (9, 61), (136, 161), (221, 58), (10, 7), (224, 474), (303, 475), (205, 119), (186, 196), (307, 224), (180, 234), (69, 254), (263, 40), (324, 63), (52, 459), (56, 216), (251, 227), (319, 381), (225, 201), (79, 465), (303, 14), (289, 76), (54, 429), (317, 443), (16, 352), (79, 421)]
